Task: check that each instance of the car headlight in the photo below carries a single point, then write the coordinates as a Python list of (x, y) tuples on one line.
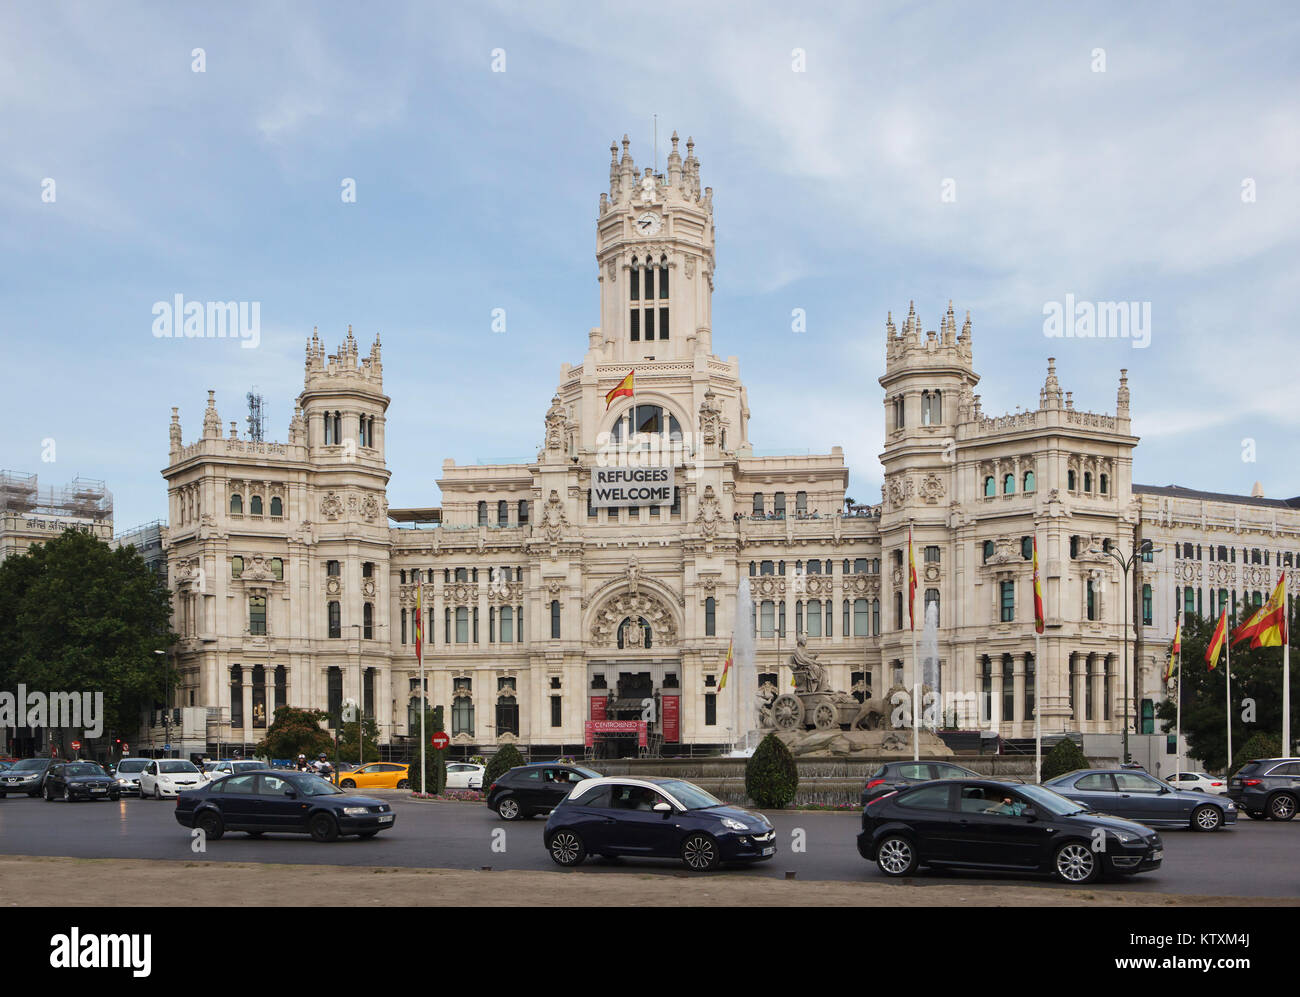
[(733, 825), (1124, 839), (355, 811)]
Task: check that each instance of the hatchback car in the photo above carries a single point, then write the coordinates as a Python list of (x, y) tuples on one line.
[(229, 766), (654, 818), (894, 776), (167, 777), (1267, 788), (1138, 796), (465, 775), (27, 776), (964, 824), (274, 802), (376, 775), (79, 781), (127, 775), (534, 789)]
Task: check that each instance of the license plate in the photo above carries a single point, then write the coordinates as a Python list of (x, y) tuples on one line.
[(1159, 853), (385, 818), (98, 789), (770, 850)]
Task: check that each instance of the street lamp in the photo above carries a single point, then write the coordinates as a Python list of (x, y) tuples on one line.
[(1125, 563), (361, 696), (167, 703)]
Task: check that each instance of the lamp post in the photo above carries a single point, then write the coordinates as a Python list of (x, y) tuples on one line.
[(167, 702), (361, 695), (1125, 563)]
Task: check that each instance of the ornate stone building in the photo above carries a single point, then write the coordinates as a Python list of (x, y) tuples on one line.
[(550, 601)]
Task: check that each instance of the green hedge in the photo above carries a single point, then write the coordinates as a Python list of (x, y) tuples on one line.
[(771, 776), (506, 758), (1065, 756)]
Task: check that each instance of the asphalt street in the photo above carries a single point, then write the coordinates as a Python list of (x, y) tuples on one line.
[(1252, 859)]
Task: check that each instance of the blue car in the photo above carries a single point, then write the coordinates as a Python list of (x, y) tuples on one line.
[(1135, 795), (281, 802), (617, 817)]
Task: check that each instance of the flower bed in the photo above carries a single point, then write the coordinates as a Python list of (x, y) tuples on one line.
[(452, 795)]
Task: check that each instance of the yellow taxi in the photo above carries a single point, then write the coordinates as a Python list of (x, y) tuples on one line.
[(375, 775)]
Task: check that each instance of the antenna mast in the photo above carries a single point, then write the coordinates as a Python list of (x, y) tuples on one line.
[(256, 417)]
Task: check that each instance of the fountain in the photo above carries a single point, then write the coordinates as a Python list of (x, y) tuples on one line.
[(931, 709), (746, 712)]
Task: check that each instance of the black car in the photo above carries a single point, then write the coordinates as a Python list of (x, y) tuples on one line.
[(1267, 788), (266, 801), (80, 781), (966, 824), (655, 818), (534, 789), (893, 776), (27, 776), (1135, 795)]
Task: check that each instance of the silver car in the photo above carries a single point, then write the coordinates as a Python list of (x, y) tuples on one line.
[(1134, 795), (127, 775)]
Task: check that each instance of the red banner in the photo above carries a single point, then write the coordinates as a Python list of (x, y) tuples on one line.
[(598, 704), (671, 706)]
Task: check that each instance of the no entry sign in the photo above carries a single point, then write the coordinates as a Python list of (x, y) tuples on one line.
[(440, 740)]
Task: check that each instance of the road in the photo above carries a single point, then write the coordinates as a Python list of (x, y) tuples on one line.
[(1253, 859)]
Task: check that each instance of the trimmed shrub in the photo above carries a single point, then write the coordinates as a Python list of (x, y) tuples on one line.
[(1259, 746), (506, 758), (1065, 756), (771, 776)]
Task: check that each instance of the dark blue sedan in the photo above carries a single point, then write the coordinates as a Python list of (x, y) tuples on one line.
[(1134, 795), (657, 818), (268, 801)]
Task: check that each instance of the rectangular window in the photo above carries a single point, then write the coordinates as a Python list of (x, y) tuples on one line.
[(860, 618), (649, 323), (462, 625), (507, 625), (555, 711), (663, 320), (1147, 613), (1189, 603), (1008, 602), (335, 620), (710, 709), (257, 615), (555, 620), (813, 621), (636, 320), (767, 621), (710, 617)]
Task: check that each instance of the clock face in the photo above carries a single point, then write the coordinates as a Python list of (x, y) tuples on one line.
[(649, 224)]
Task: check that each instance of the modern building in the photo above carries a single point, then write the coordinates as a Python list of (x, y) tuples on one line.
[(599, 581), (30, 514)]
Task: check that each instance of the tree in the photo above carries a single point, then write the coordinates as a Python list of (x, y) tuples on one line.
[(1261, 745), (295, 732), (77, 615), (771, 775), (1065, 756), (506, 758), (1256, 693), (435, 762), (348, 748)]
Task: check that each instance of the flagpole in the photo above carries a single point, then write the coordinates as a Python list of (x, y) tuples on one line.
[(1227, 650), (911, 620), (1286, 687), (1178, 715), (419, 653), (1038, 723)]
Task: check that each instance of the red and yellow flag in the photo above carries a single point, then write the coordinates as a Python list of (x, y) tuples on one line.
[(911, 581), (624, 389), (726, 665), (1217, 640), (1175, 648), (1040, 619), (1271, 630), (1248, 629)]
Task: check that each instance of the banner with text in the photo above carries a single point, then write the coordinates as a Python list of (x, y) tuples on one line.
[(625, 487)]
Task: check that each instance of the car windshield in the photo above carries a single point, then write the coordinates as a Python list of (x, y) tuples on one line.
[(689, 795), (177, 766), (83, 768), (29, 765), (132, 765), (1053, 803), (314, 785)]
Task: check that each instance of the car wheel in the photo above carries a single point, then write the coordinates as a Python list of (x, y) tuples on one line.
[(1076, 863), (67, 795), (1206, 819), (404, 784), (323, 827), (700, 853), (566, 848), (157, 792), (508, 808), (211, 826), (1282, 806), (347, 784), (49, 795), (895, 856)]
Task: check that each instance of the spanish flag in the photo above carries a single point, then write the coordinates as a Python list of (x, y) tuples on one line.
[(1271, 631), (911, 581), (1175, 648), (1217, 640), (1040, 619), (623, 389), (1249, 628), (726, 665)]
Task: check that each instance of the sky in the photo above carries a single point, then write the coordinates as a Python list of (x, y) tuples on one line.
[(861, 155)]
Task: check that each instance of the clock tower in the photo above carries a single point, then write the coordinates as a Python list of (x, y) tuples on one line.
[(654, 250)]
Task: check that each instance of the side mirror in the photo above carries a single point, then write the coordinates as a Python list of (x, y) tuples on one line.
[(1030, 814), (291, 793), (663, 808)]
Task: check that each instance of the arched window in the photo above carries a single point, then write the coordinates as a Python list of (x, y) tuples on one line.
[(255, 505), (523, 511), (503, 513), (1029, 484), (898, 412), (462, 714), (628, 635), (1008, 484), (990, 487), (931, 408), (482, 514), (277, 507), (710, 617), (236, 505), (1069, 479), (1104, 483), (1027, 547), (767, 568), (643, 421), (988, 550), (1087, 482)]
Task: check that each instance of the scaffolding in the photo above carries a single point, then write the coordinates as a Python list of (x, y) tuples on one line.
[(83, 498)]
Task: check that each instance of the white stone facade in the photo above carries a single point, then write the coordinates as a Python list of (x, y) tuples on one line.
[(537, 605)]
